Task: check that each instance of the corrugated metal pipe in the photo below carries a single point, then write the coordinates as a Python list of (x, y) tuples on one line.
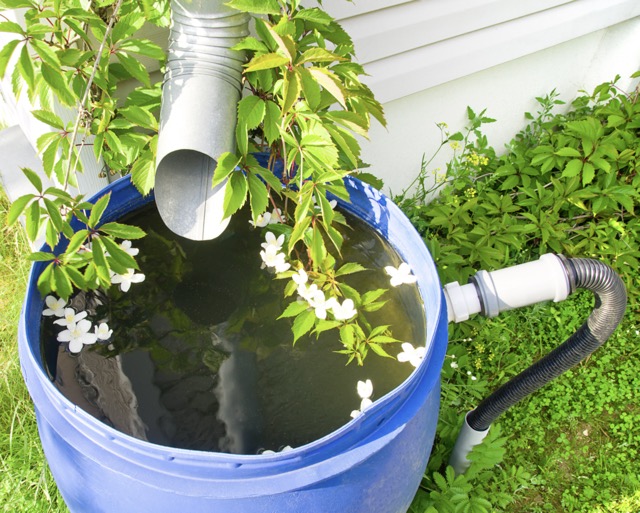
[(201, 90), (500, 290)]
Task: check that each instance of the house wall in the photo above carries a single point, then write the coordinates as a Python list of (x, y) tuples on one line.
[(430, 59)]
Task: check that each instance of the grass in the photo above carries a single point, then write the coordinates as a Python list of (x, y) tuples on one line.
[(26, 484), (572, 447)]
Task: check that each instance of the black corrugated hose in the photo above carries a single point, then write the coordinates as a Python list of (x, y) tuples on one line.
[(611, 299)]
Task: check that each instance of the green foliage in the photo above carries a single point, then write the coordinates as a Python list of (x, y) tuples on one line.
[(305, 106), (567, 184), (566, 451), (73, 57)]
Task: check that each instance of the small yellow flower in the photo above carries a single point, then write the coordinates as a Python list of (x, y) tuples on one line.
[(455, 145)]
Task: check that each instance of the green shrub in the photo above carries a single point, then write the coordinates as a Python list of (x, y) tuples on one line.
[(568, 183)]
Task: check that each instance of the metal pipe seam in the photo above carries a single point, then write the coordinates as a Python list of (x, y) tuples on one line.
[(201, 90)]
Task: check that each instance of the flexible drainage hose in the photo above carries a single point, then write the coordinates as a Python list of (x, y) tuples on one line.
[(611, 297)]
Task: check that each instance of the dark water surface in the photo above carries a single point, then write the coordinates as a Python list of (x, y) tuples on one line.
[(197, 361)]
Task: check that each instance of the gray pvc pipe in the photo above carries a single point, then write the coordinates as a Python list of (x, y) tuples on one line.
[(201, 90)]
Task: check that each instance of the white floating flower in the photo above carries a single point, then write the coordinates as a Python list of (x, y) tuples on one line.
[(78, 335), (333, 204), (301, 277), (306, 292), (272, 241), (126, 245), (320, 304), (413, 355), (55, 306), (262, 220), (344, 311), (125, 280), (400, 275), (275, 216), (365, 389), (70, 317), (103, 332)]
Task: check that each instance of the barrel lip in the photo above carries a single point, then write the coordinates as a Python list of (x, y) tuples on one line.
[(355, 433)]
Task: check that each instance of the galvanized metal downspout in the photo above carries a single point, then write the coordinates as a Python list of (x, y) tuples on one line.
[(201, 90)]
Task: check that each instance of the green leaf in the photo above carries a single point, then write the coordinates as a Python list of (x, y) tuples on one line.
[(251, 111), (330, 83), (33, 220), (134, 67), (258, 195), (314, 15), (271, 125), (79, 238), (235, 194), (294, 309), (266, 61), (588, 173), (54, 214), (140, 117), (299, 230), (33, 177), (49, 118), (379, 350), (310, 89), (55, 79), (227, 162), (318, 55), (573, 168), (10, 26), (18, 207), (76, 277), (242, 138), (303, 324), (98, 209), (61, 283), (122, 231), (291, 90), (5, 55), (118, 254), (26, 67), (256, 6), (41, 256), (100, 262), (143, 172), (568, 152), (47, 54), (350, 268), (143, 47)]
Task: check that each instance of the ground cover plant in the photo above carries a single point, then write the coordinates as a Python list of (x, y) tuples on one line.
[(568, 183)]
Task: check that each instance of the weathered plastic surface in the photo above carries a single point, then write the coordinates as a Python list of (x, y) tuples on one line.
[(373, 464), (200, 96)]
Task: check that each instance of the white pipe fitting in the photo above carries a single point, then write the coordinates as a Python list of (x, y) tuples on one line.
[(467, 439), (493, 292)]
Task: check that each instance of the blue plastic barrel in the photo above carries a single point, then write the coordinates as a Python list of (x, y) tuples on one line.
[(373, 464)]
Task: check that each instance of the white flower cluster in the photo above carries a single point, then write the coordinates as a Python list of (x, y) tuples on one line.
[(413, 355), (286, 448), (271, 254), (78, 330), (401, 275), (125, 280), (267, 218), (365, 391), (320, 303)]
